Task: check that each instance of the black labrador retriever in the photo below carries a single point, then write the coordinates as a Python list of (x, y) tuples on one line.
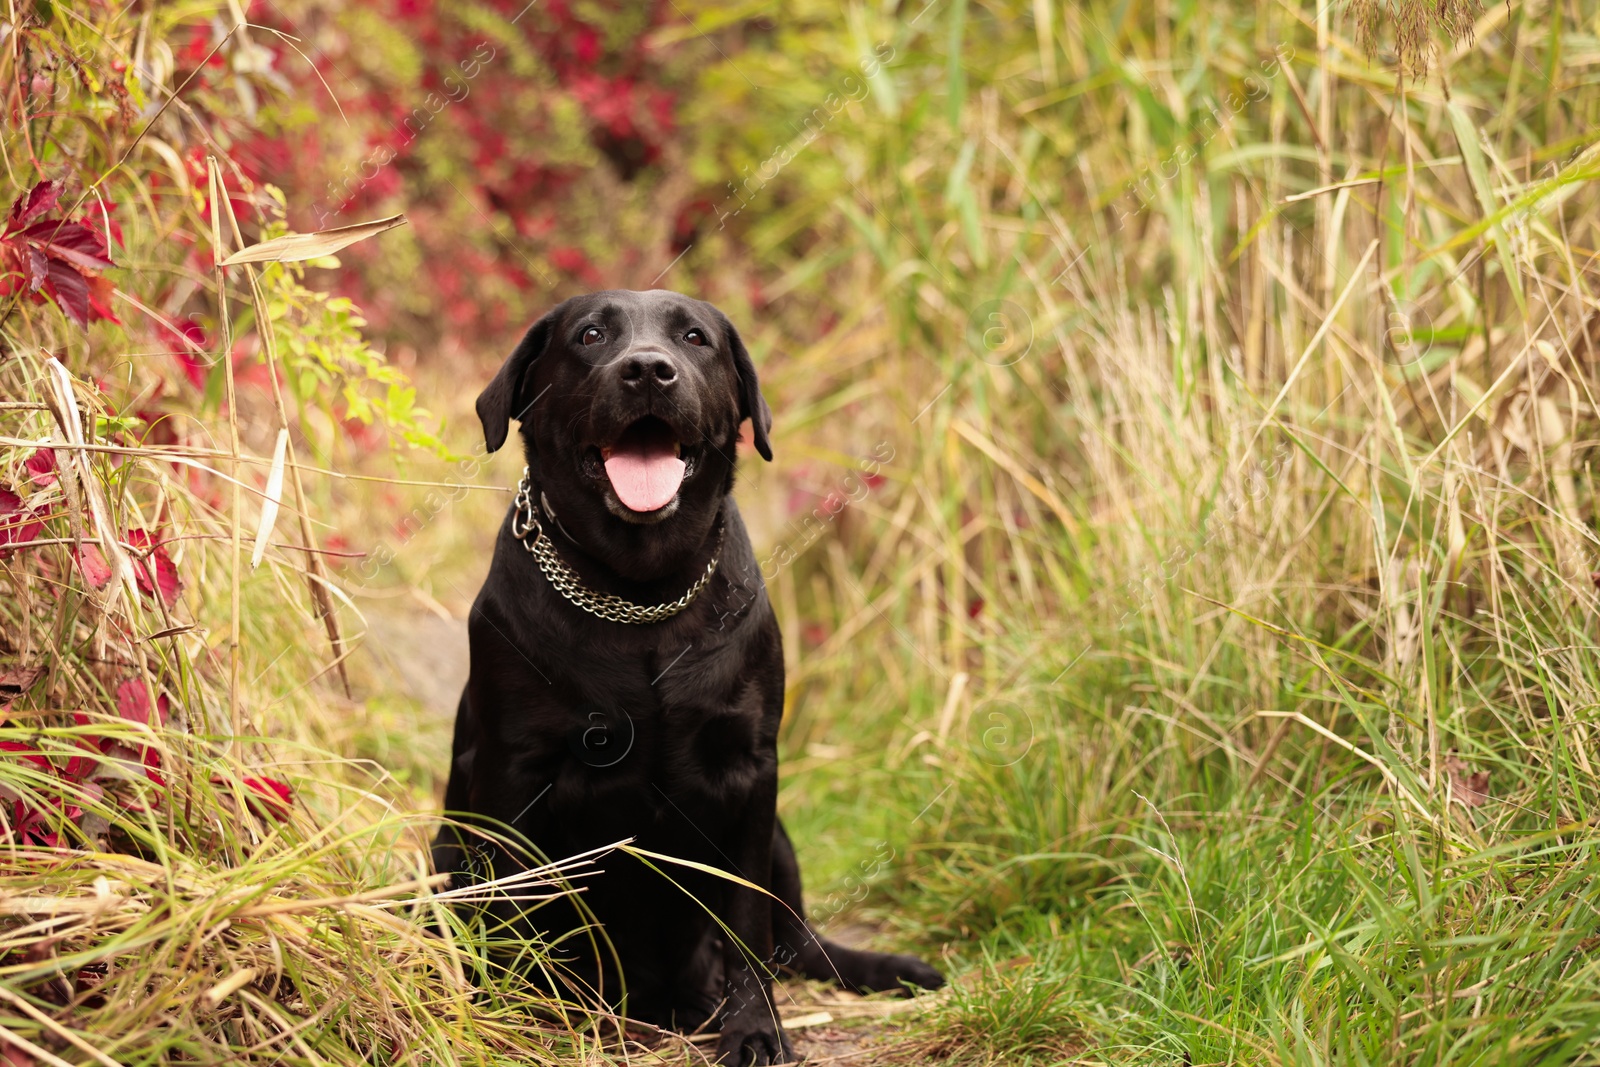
[(627, 678)]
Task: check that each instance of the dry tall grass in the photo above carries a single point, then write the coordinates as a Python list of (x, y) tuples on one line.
[(194, 867)]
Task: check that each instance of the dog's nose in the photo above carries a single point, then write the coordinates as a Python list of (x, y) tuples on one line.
[(645, 367)]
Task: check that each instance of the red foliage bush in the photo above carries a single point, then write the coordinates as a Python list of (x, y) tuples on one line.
[(486, 122)]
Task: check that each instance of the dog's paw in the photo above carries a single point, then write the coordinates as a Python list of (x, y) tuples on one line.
[(886, 971), (695, 1018), (913, 971), (756, 1043)]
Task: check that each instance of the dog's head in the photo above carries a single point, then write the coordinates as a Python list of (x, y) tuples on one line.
[(630, 405)]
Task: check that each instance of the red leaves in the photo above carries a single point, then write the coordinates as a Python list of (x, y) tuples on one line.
[(200, 47), (609, 83), (80, 767), (267, 798), (70, 289), (194, 365), (56, 257), (32, 755), (153, 567), (271, 798), (567, 259), (30, 205), (41, 467), (63, 781), (17, 1057), (32, 827), (133, 703), (77, 243), (36, 819), (96, 571), (18, 522), (100, 299)]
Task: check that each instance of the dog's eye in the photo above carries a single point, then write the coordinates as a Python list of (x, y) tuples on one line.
[(697, 338), (594, 335)]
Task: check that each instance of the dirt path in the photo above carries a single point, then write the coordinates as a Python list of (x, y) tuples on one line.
[(851, 1038), (416, 653)]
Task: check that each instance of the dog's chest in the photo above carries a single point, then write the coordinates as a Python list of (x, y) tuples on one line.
[(682, 737)]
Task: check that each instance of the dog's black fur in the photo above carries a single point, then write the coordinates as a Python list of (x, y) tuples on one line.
[(578, 732)]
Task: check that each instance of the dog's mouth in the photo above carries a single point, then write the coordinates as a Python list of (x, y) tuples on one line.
[(646, 465)]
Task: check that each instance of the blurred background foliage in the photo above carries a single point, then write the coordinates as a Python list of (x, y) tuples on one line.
[(1182, 526)]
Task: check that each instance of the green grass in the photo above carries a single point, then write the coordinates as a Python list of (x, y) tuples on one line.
[(1262, 592)]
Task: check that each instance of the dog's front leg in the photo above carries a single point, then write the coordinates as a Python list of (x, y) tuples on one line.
[(751, 1033)]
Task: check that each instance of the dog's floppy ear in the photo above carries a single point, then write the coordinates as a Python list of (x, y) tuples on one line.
[(752, 405), (503, 400)]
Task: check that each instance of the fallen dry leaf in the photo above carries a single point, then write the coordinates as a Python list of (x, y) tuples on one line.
[(18, 680), (1470, 790), (15, 681)]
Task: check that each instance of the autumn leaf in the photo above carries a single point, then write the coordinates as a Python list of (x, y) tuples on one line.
[(96, 571), (18, 523), (133, 703), (266, 797), (30, 205), (75, 242), (41, 467), (38, 269), (192, 360), (100, 290), (152, 766), (1470, 790), (56, 257), (275, 797), (153, 567), (80, 767), (16, 681), (70, 290), (27, 752)]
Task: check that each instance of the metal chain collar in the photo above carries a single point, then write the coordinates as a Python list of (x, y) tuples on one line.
[(525, 520)]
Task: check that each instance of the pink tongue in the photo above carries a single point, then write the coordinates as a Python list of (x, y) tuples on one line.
[(645, 479)]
